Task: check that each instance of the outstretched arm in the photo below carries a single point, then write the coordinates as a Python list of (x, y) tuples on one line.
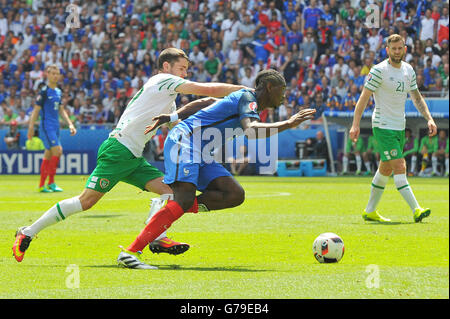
[(255, 129), (182, 113), (422, 107), (208, 89)]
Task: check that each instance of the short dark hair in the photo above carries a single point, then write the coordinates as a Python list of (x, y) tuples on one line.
[(171, 55)]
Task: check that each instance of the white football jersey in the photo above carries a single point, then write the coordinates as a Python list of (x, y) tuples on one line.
[(390, 88), (156, 97)]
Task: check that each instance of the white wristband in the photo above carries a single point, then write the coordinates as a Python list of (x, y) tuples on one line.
[(173, 117)]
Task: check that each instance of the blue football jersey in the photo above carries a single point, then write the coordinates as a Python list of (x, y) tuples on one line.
[(222, 118), (49, 100)]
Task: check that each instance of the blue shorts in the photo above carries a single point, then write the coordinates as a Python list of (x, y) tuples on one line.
[(50, 137), (183, 162)]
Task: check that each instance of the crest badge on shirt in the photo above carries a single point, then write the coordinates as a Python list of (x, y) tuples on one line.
[(104, 182), (253, 106)]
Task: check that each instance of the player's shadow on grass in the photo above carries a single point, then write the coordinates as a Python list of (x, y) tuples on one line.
[(100, 216), (181, 268), (386, 223), (234, 269)]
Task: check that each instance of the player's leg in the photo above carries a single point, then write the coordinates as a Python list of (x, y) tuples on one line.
[(223, 192), (49, 141), (219, 189), (358, 162), (53, 153), (63, 209), (184, 195), (44, 172), (345, 160), (162, 243), (104, 177), (401, 182), (181, 174), (367, 157), (57, 213), (379, 182), (149, 178), (412, 168), (434, 164), (424, 153), (56, 152), (386, 141), (157, 186)]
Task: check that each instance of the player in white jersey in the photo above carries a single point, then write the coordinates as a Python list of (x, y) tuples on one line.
[(390, 81), (120, 156)]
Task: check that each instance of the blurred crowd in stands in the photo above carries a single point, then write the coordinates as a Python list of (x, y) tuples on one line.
[(107, 49)]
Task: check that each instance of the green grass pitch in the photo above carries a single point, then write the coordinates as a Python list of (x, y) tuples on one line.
[(260, 250)]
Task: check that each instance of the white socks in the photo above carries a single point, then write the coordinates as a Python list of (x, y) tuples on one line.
[(378, 184), (358, 163), (57, 213), (345, 161), (155, 206), (434, 163), (446, 165), (403, 187), (413, 163), (368, 166), (345, 164)]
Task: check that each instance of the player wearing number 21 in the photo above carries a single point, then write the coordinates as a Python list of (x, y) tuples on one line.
[(390, 81)]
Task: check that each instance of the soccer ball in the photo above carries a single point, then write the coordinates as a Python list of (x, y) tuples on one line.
[(328, 248)]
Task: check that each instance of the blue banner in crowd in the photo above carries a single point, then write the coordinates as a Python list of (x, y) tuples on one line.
[(27, 162), (438, 108)]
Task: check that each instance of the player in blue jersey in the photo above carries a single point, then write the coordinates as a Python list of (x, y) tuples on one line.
[(48, 107), (187, 160)]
